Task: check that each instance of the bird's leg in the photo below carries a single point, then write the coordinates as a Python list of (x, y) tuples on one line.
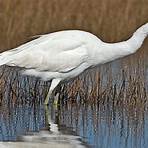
[(51, 125), (47, 117), (54, 83)]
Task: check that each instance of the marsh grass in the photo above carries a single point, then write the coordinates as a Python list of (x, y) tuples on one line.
[(110, 20), (123, 82)]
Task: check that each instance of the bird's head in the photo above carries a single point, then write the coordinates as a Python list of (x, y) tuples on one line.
[(144, 29)]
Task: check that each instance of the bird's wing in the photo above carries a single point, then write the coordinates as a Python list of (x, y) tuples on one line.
[(60, 55), (65, 61)]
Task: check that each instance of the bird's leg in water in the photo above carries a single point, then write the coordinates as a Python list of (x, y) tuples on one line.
[(54, 83), (51, 126), (47, 117)]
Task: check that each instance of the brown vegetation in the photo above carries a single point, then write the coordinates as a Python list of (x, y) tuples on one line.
[(111, 20)]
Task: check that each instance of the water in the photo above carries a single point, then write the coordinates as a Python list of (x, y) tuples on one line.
[(97, 126), (105, 127), (32, 126)]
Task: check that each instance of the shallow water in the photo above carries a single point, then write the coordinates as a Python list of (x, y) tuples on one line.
[(33, 126), (97, 126)]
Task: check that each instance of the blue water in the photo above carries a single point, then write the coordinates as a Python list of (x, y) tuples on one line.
[(98, 127), (109, 129), (17, 120)]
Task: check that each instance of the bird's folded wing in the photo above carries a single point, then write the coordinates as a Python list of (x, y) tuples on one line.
[(60, 55), (65, 61)]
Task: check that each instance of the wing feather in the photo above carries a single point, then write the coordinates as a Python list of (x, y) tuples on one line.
[(56, 55)]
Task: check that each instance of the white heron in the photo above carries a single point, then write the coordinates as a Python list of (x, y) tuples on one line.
[(65, 54)]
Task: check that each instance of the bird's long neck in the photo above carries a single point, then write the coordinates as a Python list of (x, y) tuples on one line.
[(116, 50)]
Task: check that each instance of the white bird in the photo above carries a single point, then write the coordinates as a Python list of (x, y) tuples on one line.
[(65, 54)]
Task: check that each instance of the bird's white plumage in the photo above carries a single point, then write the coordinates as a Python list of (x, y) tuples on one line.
[(66, 54), (52, 56), (59, 52)]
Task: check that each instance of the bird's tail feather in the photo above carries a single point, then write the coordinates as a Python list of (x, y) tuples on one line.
[(5, 58)]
